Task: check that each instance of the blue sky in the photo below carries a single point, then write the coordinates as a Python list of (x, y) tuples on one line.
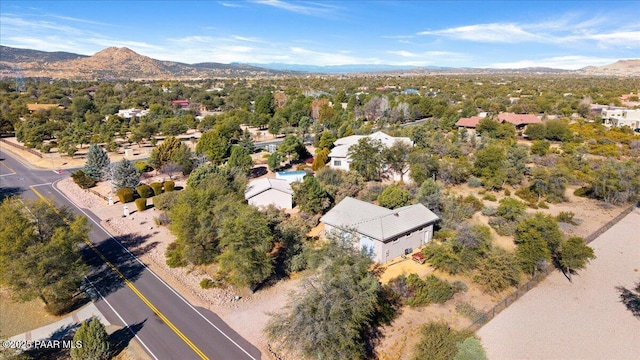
[(500, 34)]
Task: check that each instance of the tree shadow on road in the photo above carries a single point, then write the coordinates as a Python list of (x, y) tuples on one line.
[(9, 191), (120, 339), (102, 276), (631, 299)]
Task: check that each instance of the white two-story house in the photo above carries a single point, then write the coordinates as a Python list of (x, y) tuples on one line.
[(339, 155)]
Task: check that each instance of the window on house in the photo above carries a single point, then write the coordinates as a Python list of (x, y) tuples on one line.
[(337, 163), (395, 241)]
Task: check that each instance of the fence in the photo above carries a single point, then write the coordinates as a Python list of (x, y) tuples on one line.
[(482, 319), (34, 152)]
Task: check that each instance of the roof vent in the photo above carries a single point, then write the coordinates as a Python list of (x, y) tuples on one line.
[(396, 214)]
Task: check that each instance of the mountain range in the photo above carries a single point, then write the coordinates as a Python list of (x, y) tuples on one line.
[(123, 63)]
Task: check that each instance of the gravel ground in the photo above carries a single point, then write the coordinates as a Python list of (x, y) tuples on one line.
[(582, 319)]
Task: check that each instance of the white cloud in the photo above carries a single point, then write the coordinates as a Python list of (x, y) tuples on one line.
[(300, 7), (231, 4), (565, 31), (569, 62), (495, 32)]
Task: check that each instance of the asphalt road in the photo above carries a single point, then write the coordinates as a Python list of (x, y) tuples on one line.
[(128, 293)]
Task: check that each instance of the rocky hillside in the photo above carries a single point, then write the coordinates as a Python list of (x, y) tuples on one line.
[(116, 63), (619, 68)]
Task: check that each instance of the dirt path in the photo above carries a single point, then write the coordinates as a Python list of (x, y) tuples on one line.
[(582, 319)]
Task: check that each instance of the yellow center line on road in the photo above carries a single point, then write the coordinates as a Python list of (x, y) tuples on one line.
[(135, 290), (8, 167)]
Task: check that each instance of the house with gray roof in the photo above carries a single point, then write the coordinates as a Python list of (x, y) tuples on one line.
[(387, 233), (265, 192)]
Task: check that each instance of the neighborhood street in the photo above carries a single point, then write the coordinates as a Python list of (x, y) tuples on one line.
[(127, 292)]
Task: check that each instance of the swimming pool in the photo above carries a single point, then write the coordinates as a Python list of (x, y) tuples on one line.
[(291, 176)]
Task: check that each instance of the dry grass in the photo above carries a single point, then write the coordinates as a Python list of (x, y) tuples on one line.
[(18, 317)]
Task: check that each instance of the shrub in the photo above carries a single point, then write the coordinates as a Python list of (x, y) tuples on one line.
[(469, 311), (162, 219), (566, 217), (394, 197), (174, 255), (141, 204), (582, 191), (474, 202), (156, 187), (543, 205), (82, 180), (489, 211), (527, 195), (165, 201), (443, 257), (502, 226), (169, 185), (142, 166), (145, 191), (207, 283), (94, 339), (510, 209), (459, 286), (125, 195), (489, 197), (474, 182), (444, 234), (431, 289), (507, 192)]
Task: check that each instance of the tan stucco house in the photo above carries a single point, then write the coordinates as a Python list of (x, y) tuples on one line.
[(387, 233)]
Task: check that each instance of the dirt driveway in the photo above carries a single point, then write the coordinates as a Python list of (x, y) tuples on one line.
[(583, 319)]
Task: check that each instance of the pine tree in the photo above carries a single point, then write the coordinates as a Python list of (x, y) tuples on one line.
[(240, 158), (94, 341), (97, 162), (124, 175)]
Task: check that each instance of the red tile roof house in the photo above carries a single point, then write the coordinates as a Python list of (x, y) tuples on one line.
[(520, 121), (180, 103), (469, 123)]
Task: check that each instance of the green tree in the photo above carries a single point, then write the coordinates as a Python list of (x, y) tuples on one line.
[(274, 161), (366, 158), (97, 163), (292, 147), (430, 195), (540, 147), (40, 253), (94, 339), (214, 146), (497, 270), (557, 130), (488, 126), (438, 342), (172, 150), (511, 209), (265, 104), (326, 140), (489, 165), (124, 175), (245, 241), (538, 238), (240, 158), (574, 254), (394, 197), (332, 314), (397, 157), (198, 211), (310, 196), (535, 131)]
